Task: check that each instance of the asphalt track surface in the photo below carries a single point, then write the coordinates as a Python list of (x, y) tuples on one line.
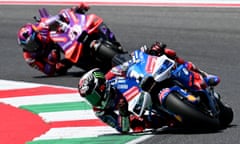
[(209, 37)]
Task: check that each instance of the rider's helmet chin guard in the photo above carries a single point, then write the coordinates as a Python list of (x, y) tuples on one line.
[(92, 86), (27, 38)]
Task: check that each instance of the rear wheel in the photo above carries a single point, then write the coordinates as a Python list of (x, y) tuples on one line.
[(105, 51), (191, 115), (120, 58)]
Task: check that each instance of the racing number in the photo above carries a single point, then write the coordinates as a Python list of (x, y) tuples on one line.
[(75, 32)]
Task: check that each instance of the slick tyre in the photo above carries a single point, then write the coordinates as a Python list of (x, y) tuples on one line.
[(106, 51), (226, 114), (191, 115)]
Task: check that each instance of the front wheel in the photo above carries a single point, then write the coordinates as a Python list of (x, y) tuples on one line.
[(191, 115), (226, 114)]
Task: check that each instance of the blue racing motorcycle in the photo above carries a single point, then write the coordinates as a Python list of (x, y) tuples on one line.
[(157, 86)]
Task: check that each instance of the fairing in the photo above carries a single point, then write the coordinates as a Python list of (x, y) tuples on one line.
[(71, 38)]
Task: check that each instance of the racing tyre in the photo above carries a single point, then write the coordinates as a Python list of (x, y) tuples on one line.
[(226, 114), (107, 50), (120, 58), (192, 116)]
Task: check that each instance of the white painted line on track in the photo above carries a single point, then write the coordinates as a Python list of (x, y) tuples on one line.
[(153, 3), (8, 85), (68, 115), (76, 132), (42, 99)]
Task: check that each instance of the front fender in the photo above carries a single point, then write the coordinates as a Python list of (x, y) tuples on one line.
[(182, 93), (191, 115)]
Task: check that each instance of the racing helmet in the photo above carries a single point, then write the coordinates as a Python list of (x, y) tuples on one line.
[(27, 38), (92, 86)]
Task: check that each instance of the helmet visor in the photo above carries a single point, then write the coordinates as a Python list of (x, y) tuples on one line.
[(30, 44)]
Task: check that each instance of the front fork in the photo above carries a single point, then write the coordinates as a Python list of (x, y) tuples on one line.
[(212, 96), (211, 102)]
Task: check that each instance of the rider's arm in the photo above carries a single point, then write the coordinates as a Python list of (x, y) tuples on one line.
[(118, 71), (173, 55), (194, 68), (109, 117), (46, 22), (118, 121), (115, 71)]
